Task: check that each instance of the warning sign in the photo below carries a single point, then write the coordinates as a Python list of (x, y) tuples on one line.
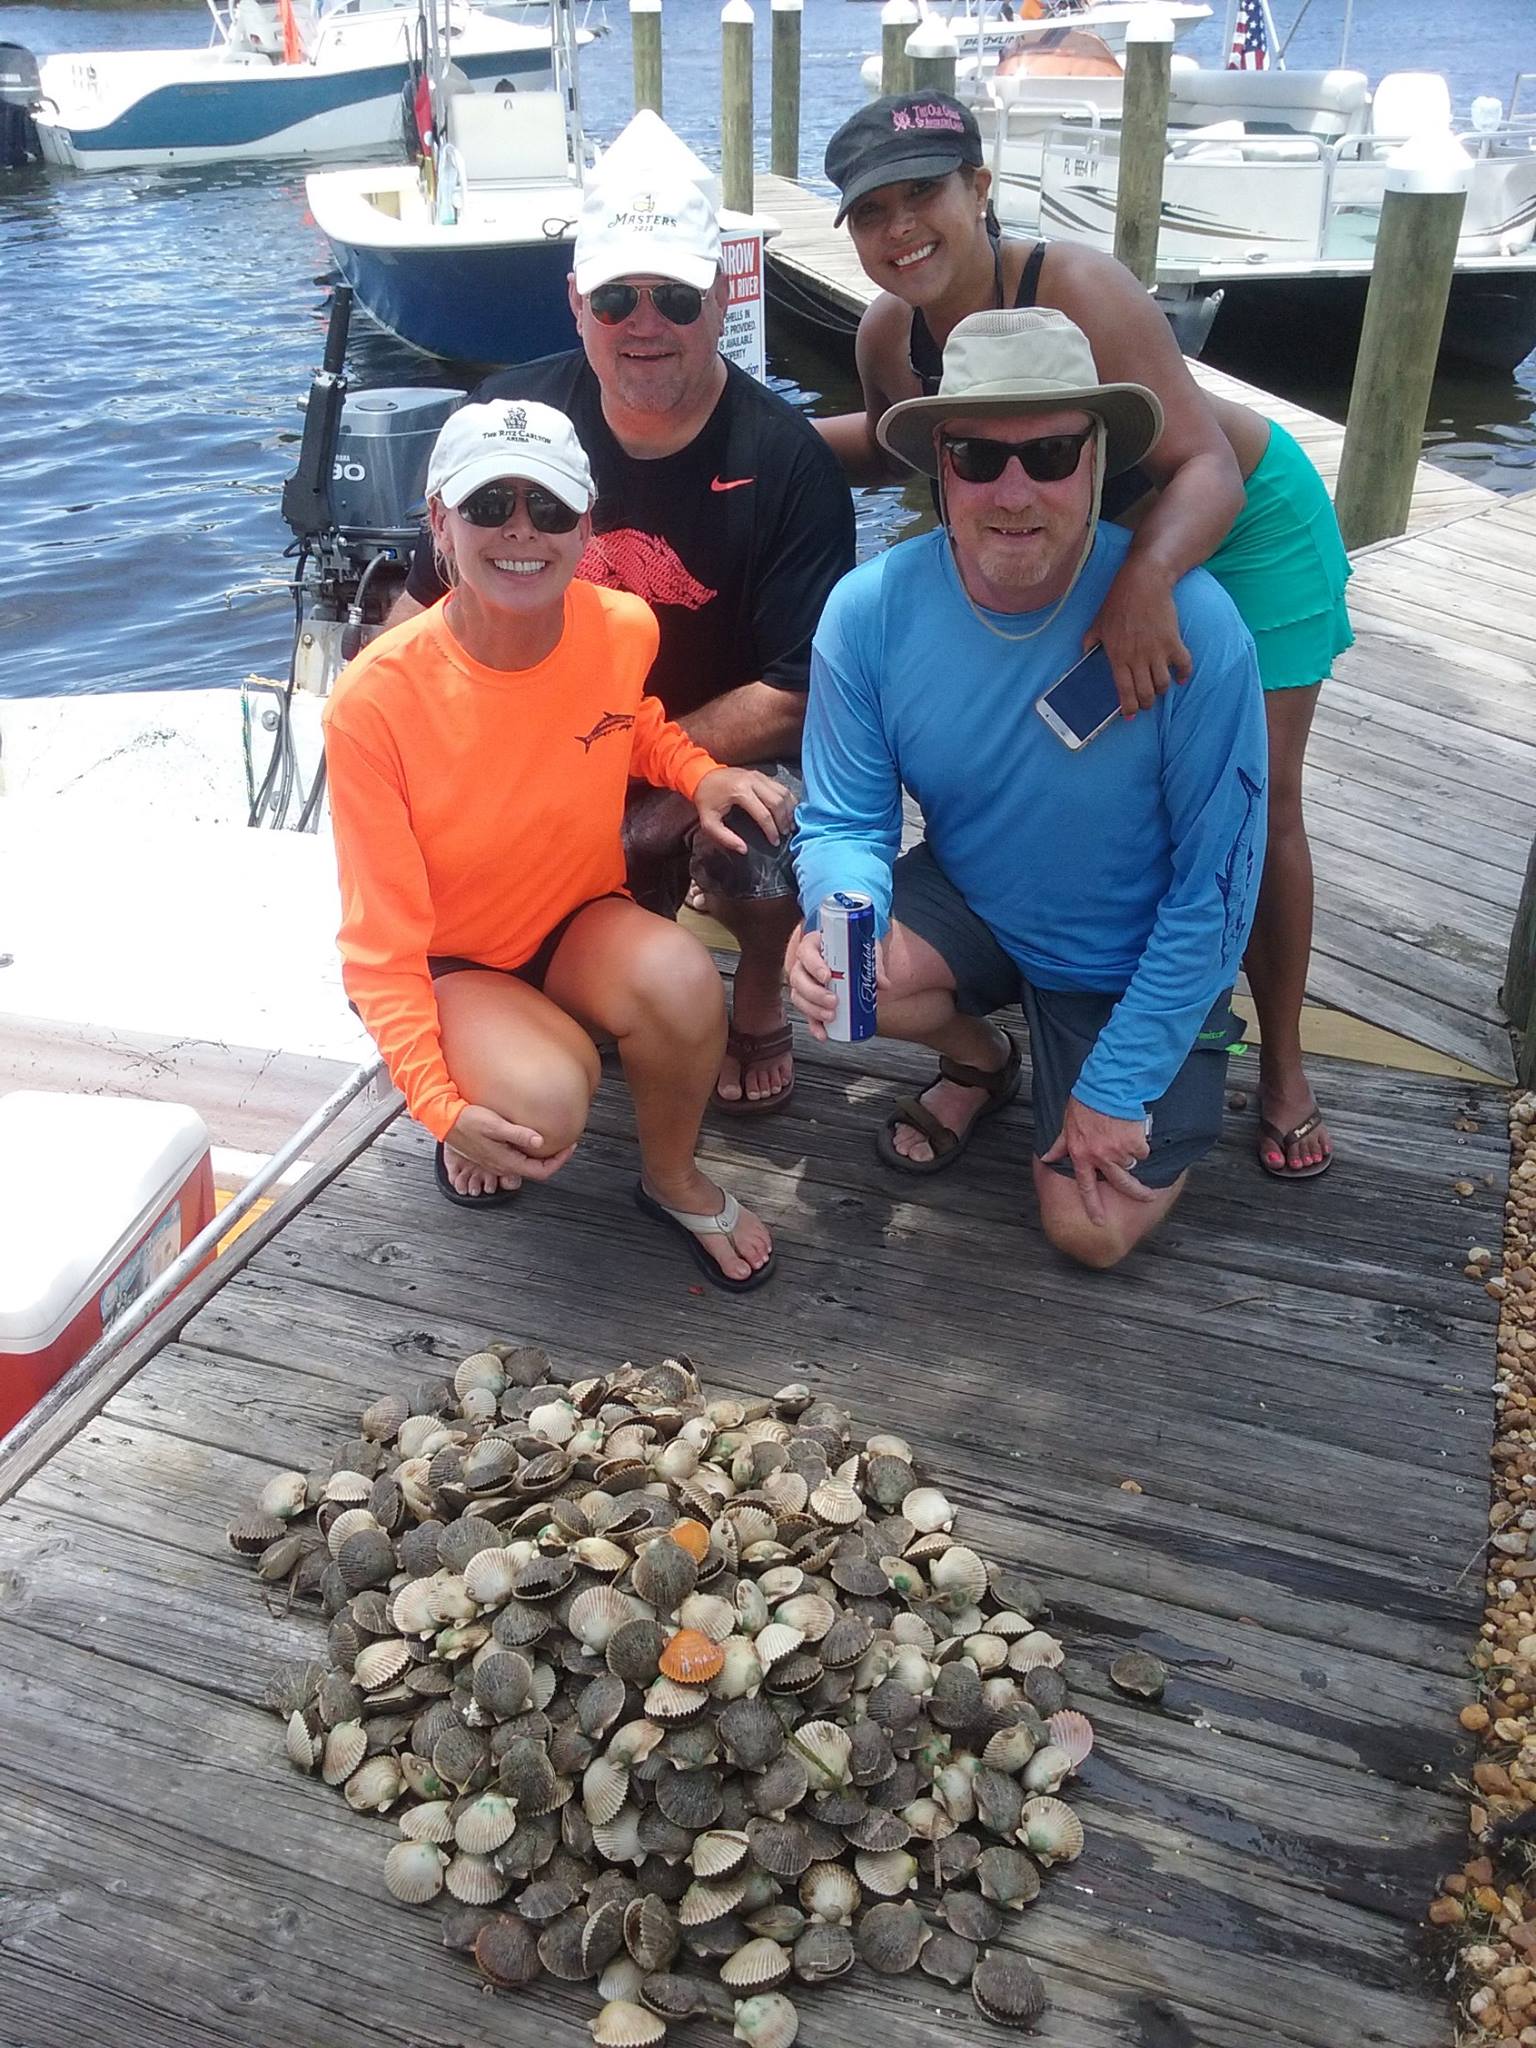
[(742, 341)]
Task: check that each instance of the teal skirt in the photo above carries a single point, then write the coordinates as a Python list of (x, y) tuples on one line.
[(1283, 565)]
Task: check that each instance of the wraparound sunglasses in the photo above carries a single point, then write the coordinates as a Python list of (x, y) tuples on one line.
[(678, 304), (1049, 459), (495, 504)]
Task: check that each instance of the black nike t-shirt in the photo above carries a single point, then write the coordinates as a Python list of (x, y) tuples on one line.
[(735, 541)]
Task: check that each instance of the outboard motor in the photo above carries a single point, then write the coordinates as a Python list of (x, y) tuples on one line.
[(21, 88), (355, 505)]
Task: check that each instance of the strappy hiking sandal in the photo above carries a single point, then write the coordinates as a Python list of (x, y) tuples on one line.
[(948, 1146), (498, 1198), (691, 1227), (1285, 1140), (748, 1048)]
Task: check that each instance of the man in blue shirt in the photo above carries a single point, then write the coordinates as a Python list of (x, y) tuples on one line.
[(1109, 890)]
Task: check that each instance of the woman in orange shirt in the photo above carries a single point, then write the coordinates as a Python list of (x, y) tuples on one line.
[(478, 757)]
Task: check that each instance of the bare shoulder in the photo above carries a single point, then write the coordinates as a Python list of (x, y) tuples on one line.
[(1125, 328)]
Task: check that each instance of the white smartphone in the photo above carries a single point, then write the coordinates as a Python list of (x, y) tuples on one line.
[(1079, 705)]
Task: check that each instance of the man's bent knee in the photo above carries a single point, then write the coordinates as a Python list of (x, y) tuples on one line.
[(1099, 1246)]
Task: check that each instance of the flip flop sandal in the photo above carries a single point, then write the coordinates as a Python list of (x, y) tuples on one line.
[(1002, 1086), (749, 1047), (1285, 1140), (498, 1198), (690, 1226)]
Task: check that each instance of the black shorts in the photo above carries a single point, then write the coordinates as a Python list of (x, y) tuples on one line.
[(1064, 1025), (537, 965)]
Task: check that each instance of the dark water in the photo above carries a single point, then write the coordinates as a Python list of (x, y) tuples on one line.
[(158, 328)]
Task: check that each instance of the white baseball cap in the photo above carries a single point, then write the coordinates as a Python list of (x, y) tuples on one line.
[(662, 228), (481, 444)]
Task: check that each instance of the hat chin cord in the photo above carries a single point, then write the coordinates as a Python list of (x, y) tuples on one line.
[(1089, 535)]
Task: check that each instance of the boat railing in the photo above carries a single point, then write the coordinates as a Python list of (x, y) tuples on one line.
[(1016, 118)]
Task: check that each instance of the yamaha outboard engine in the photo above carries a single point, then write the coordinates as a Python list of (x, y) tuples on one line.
[(20, 90), (355, 504)]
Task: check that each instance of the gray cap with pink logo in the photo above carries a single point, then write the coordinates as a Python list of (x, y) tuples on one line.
[(905, 135)]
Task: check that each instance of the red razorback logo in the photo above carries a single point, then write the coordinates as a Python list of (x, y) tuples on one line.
[(643, 564)]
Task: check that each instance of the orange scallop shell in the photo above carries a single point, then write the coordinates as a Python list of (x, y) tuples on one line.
[(692, 1537), (691, 1658)]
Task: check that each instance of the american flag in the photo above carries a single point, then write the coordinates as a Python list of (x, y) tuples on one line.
[(1250, 38)]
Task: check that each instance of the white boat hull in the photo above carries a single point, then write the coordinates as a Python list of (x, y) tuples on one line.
[(121, 110), (489, 287)]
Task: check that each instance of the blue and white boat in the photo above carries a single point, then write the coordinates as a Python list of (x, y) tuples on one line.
[(280, 78), (464, 254)]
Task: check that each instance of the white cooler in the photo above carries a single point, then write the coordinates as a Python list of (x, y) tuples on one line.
[(98, 1196)]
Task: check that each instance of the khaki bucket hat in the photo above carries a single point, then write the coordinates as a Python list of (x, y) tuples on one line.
[(1018, 363)]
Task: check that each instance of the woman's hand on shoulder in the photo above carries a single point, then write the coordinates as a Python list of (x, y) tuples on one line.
[(766, 802), (514, 1152), (1138, 624)]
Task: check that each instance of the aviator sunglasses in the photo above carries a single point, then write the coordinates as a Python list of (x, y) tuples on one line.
[(495, 504), (1049, 459), (678, 304)]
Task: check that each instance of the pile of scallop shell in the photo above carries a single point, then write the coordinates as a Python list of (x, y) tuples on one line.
[(656, 1685)]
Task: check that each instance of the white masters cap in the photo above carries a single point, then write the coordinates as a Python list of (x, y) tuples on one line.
[(663, 228), (481, 444)]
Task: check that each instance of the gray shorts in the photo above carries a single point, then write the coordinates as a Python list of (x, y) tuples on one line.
[(664, 850), (1064, 1025)]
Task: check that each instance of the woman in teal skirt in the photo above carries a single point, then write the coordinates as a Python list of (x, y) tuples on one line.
[(1224, 487), (1283, 565)]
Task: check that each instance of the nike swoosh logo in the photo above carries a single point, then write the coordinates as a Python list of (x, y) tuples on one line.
[(734, 483)]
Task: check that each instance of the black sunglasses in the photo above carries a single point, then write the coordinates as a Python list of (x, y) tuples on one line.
[(1050, 459), (678, 304), (495, 504)]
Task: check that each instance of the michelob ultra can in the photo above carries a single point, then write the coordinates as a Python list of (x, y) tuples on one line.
[(848, 947)]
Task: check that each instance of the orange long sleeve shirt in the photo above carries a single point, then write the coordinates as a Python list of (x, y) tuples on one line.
[(474, 807)]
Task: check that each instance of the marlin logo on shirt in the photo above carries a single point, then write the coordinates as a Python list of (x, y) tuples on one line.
[(611, 721)]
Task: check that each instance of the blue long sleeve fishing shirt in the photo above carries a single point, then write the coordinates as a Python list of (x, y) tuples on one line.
[(1130, 867)]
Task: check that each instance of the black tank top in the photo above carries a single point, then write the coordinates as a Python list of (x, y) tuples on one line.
[(927, 361)]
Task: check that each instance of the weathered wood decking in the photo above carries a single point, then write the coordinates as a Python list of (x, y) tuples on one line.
[(1421, 783), (1295, 1378), (1421, 773)]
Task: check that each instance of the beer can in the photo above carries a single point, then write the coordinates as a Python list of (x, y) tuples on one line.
[(848, 947)]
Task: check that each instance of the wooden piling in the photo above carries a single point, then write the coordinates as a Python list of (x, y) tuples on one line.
[(1143, 142), (784, 156), (736, 180), (1399, 340), (1518, 994), (898, 18), (931, 52), (645, 45)]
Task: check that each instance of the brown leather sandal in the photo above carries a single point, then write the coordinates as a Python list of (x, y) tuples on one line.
[(747, 1048), (1002, 1085)]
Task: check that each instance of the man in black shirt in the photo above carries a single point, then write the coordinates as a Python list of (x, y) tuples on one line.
[(720, 505)]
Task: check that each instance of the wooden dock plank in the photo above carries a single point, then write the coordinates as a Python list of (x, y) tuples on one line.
[(1299, 1405)]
